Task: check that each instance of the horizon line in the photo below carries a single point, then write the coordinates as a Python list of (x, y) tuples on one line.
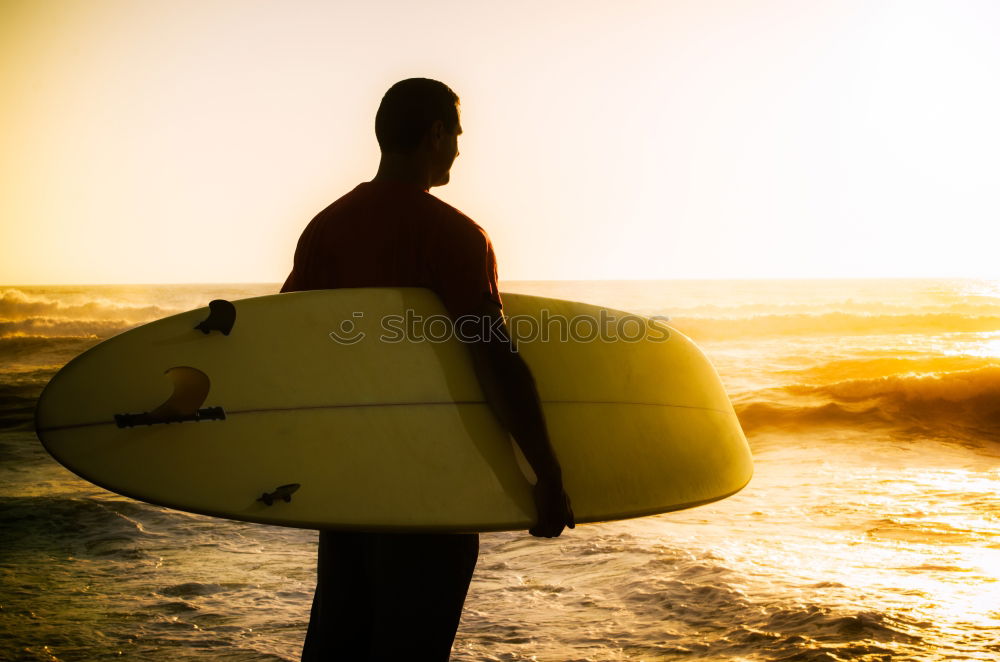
[(533, 280)]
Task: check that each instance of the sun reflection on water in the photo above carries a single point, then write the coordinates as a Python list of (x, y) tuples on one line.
[(879, 524), (937, 547)]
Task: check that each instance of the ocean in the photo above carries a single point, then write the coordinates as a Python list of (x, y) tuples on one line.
[(870, 531)]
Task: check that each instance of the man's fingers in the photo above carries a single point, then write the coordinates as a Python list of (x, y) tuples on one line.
[(557, 516), (542, 531)]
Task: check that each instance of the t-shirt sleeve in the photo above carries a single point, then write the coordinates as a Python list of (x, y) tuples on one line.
[(464, 271), (294, 281), (291, 283)]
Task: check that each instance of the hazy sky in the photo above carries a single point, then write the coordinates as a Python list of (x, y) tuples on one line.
[(180, 141)]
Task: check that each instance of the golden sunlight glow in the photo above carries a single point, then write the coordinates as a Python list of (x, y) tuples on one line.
[(166, 142)]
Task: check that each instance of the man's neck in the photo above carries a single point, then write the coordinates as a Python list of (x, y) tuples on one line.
[(403, 169)]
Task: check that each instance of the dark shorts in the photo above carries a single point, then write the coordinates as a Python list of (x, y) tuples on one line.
[(387, 596)]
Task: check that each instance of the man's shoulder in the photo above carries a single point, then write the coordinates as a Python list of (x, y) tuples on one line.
[(453, 219)]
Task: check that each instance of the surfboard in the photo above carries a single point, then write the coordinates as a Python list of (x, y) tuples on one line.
[(359, 409)]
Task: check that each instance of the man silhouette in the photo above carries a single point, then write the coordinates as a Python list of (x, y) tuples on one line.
[(386, 596)]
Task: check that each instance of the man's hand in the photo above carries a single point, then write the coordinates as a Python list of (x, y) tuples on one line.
[(554, 510)]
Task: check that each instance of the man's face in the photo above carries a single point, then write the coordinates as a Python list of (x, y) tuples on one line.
[(445, 153)]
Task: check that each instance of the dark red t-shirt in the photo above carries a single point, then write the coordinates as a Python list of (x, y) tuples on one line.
[(392, 235)]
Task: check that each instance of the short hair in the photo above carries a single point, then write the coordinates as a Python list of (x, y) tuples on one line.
[(408, 110)]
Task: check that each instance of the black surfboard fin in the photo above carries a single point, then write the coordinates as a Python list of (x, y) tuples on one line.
[(283, 492), (221, 317)]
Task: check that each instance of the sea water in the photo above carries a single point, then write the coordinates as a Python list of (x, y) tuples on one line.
[(870, 531)]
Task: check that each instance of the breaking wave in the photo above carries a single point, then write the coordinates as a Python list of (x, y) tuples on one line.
[(39, 317), (17, 305), (964, 401)]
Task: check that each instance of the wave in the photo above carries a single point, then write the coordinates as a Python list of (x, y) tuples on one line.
[(16, 304), (963, 402), (36, 327), (696, 595), (20, 353), (84, 527), (755, 416), (886, 363), (861, 308), (48, 327), (38, 330), (833, 323)]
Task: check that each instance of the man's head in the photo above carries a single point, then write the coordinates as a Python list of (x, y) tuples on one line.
[(418, 118)]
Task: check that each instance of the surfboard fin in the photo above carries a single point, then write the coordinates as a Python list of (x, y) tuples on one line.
[(206, 414), (283, 492), (184, 404), (221, 317)]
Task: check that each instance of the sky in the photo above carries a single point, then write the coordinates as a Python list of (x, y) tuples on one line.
[(170, 141)]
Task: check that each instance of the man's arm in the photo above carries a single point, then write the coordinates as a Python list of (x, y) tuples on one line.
[(510, 390)]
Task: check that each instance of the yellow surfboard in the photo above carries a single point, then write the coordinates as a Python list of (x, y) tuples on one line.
[(357, 409)]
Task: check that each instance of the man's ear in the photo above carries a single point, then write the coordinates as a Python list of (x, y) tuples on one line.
[(436, 132)]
